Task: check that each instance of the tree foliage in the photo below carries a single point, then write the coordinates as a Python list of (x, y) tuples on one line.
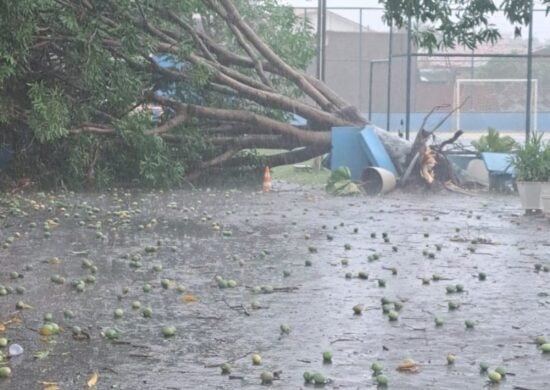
[(79, 80)]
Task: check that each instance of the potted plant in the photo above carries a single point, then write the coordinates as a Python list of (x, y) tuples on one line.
[(532, 171), (545, 191)]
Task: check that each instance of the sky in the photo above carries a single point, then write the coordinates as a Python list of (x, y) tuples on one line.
[(541, 29)]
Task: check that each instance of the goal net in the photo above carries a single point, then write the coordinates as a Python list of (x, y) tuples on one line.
[(493, 100)]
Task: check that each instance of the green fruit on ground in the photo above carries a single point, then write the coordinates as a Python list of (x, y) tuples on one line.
[(495, 377), (382, 380), (226, 369), (459, 288), (231, 283), (90, 279), (266, 377), (118, 313), (387, 307), (501, 370), (453, 305), (111, 334), (165, 283), (20, 290), (256, 359), (358, 309), (451, 289), (256, 305), (318, 379), (363, 275), (48, 317), (483, 366), (47, 330), (256, 290), (68, 313), (327, 357), (169, 331), (545, 348), (5, 372), (3, 342), (376, 367), (76, 330), (539, 340), (147, 288), (451, 358), (393, 315), (147, 312), (469, 324), (136, 305), (307, 377), (285, 329)]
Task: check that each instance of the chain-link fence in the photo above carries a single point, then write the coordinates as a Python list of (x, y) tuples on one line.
[(366, 64)]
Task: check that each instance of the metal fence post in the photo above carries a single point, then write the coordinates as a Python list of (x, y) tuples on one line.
[(408, 99), (529, 73), (390, 55)]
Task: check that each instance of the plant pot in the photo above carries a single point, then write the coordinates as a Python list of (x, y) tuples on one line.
[(378, 181), (530, 194), (545, 200)]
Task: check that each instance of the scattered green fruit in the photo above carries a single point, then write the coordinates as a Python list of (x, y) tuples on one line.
[(256, 359), (382, 380), (5, 372), (169, 331), (327, 357), (376, 367), (393, 315), (451, 358), (147, 312), (495, 377), (226, 369), (266, 377)]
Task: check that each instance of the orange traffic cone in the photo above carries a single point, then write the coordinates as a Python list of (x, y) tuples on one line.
[(267, 186)]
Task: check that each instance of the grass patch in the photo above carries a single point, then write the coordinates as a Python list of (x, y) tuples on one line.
[(295, 173)]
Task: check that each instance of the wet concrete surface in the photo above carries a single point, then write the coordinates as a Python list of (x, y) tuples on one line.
[(257, 238)]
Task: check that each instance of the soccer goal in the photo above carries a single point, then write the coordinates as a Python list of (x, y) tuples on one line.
[(493, 97)]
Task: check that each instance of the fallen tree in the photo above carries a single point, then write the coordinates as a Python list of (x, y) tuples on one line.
[(80, 78)]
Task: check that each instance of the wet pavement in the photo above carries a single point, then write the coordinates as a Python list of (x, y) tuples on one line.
[(298, 244)]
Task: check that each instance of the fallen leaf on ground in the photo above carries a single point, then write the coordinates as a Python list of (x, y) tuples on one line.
[(50, 386), (189, 298), (41, 354), (408, 365), (93, 380)]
